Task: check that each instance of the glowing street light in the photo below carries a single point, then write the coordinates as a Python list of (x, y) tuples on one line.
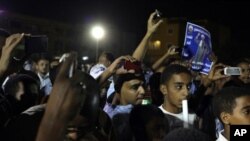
[(97, 33)]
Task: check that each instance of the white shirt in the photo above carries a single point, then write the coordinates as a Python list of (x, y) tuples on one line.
[(97, 70), (191, 117), (46, 84), (221, 137)]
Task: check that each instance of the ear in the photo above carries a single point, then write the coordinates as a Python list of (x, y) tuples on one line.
[(163, 89), (225, 117)]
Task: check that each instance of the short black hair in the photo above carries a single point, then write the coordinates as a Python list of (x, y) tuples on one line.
[(140, 116), (170, 70), (11, 85), (108, 55), (224, 100), (184, 134)]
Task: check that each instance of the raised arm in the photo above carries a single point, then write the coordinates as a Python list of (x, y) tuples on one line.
[(115, 67), (141, 49), (171, 51), (10, 43)]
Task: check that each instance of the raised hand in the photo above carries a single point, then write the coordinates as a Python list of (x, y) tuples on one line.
[(10, 43), (152, 25), (216, 72)]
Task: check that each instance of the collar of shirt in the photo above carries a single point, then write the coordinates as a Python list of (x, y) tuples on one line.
[(221, 137), (42, 77)]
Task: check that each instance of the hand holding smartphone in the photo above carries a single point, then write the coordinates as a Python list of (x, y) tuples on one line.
[(30, 45)]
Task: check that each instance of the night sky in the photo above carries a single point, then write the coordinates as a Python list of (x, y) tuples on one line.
[(131, 15)]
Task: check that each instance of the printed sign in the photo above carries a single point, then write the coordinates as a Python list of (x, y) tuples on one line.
[(197, 48)]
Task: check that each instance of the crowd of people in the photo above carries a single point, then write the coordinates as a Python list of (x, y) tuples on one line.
[(44, 98)]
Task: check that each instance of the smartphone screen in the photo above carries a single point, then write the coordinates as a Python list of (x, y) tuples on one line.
[(232, 71)]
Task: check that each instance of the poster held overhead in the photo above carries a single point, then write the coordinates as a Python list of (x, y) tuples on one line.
[(197, 48)]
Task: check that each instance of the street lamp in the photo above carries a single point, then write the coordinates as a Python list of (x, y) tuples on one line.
[(98, 33)]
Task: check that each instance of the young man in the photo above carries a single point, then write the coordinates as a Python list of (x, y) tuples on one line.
[(175, 85), (129, 91), (232, 105), (42, 62)]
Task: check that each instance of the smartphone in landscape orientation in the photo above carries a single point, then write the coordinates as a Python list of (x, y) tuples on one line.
[(232, 71)]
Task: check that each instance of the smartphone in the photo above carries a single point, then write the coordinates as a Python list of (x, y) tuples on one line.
[(128, 65), (232, 71), (36, 44), (158, 15)]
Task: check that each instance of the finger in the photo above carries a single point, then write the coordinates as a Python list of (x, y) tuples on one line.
[(27, 34), (64, 70), (158, 23), (174, 46), (12, 38), (220, 70), (152, 16), (130, 58)]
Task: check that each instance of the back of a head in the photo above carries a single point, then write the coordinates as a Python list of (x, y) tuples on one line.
[(183, 134), (170, 70), (143, 115), (109, 56), (11, 85), (25, 99), (121, 127), (225, 99)]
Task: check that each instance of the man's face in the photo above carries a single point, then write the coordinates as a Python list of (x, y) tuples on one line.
[(132, 92), (177, 89), (245, 71), (241, 112), (42, 66)]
